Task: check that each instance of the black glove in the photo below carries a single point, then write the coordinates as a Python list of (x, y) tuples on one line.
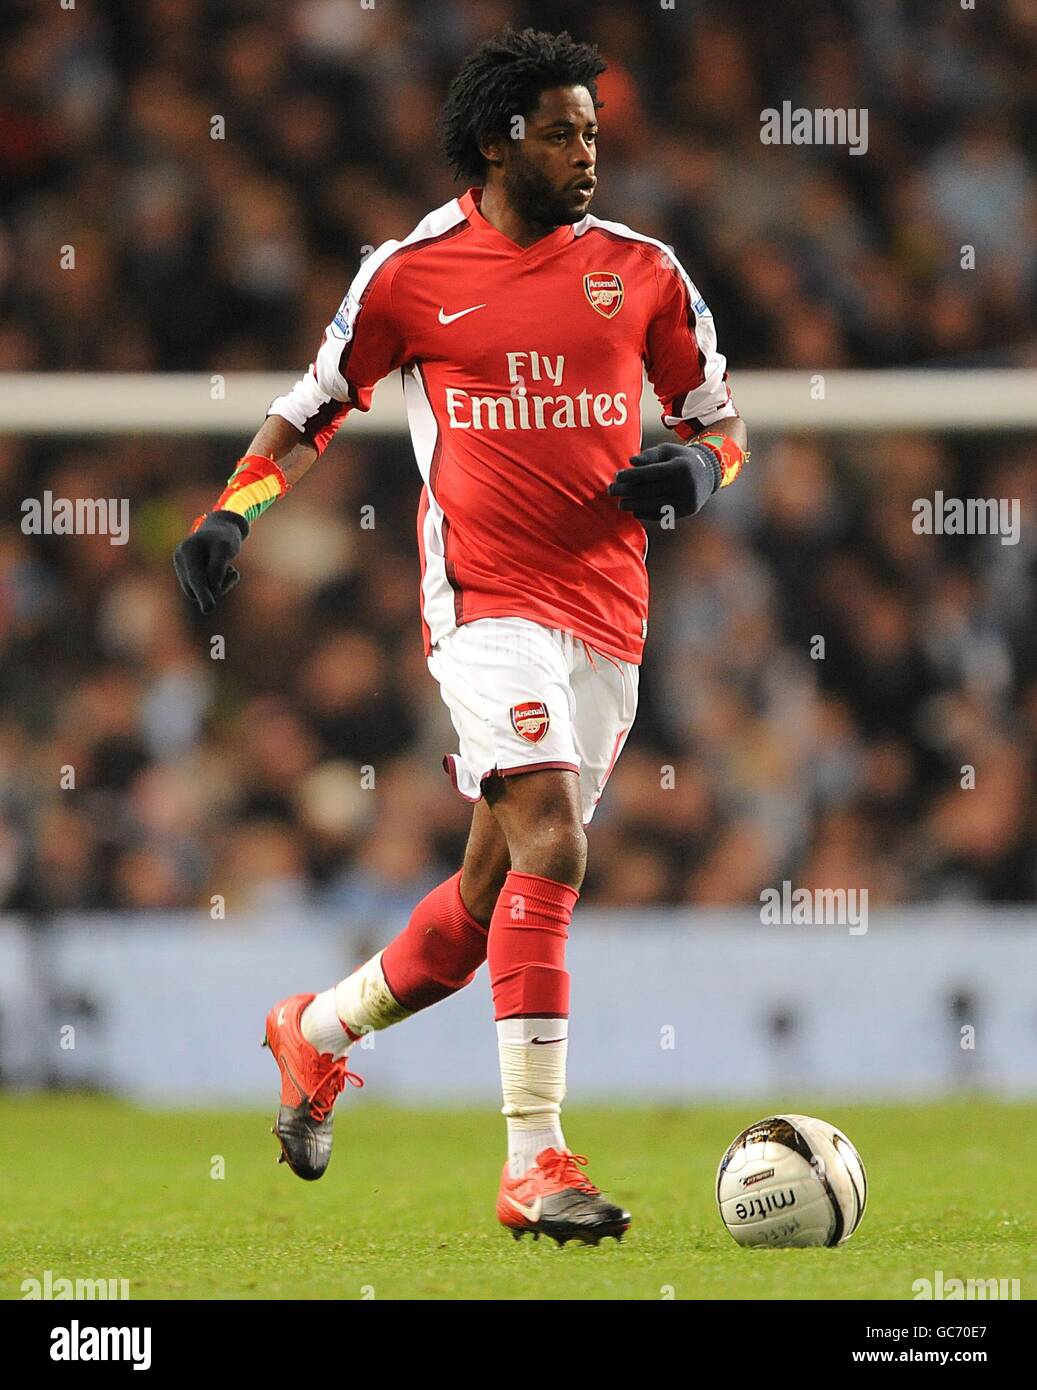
[(681, 476), (203, 561)]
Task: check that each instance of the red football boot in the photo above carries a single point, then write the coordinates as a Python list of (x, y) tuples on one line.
[(556, 1199), (310, 1084)]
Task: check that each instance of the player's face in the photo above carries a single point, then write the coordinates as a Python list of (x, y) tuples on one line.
[(549, 175)]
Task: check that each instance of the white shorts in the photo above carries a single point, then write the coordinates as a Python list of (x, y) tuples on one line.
[(522, 696)]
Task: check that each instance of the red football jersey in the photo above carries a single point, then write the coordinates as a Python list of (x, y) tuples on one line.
[(522, 371)]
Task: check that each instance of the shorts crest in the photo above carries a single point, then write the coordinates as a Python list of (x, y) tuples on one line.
[(530, 720)]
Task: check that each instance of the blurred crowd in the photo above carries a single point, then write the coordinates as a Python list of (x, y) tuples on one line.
[(219, 167), (296, 760), (828, 696)]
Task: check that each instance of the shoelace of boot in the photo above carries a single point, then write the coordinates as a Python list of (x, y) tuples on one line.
[(563, 1168), (327, 1090)]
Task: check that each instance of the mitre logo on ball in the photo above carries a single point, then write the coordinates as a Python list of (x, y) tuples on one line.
[(604, 289), (530, 720)]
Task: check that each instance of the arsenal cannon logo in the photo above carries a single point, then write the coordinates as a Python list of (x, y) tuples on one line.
[(605, 292), (530, 720)]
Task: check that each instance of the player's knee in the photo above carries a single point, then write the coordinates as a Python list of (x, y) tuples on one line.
[(540, 816), (553, 849)]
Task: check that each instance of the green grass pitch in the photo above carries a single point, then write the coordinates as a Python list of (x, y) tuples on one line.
[(93, 1188)]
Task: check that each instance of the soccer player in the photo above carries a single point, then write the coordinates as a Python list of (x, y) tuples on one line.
[(521, 327)]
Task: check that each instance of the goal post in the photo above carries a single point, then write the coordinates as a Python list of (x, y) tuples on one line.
[(235, 403)]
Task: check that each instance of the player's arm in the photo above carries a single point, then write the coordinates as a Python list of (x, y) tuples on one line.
[(280, 440), (276, 459), (359, 347), (689, 376)]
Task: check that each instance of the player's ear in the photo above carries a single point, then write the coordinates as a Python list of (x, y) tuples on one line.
[(493, 151)]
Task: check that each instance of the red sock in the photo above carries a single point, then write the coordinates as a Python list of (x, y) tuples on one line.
[(438, 951), (528, 932)]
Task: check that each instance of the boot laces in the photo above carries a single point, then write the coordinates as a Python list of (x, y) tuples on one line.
[(564, 1167), (327, 1090)]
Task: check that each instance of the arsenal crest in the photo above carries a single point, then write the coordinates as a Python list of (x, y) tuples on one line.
[(530, 720), (605, 292)]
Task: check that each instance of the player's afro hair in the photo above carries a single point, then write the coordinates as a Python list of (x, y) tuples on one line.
[(503, 79)]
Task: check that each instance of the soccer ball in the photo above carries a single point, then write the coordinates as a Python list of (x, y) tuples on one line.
[(791, 1180)]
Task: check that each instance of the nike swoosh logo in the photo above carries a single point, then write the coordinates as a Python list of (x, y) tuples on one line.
[(546, 1042), (282, 1061), (444, 317), (530, 1213)]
